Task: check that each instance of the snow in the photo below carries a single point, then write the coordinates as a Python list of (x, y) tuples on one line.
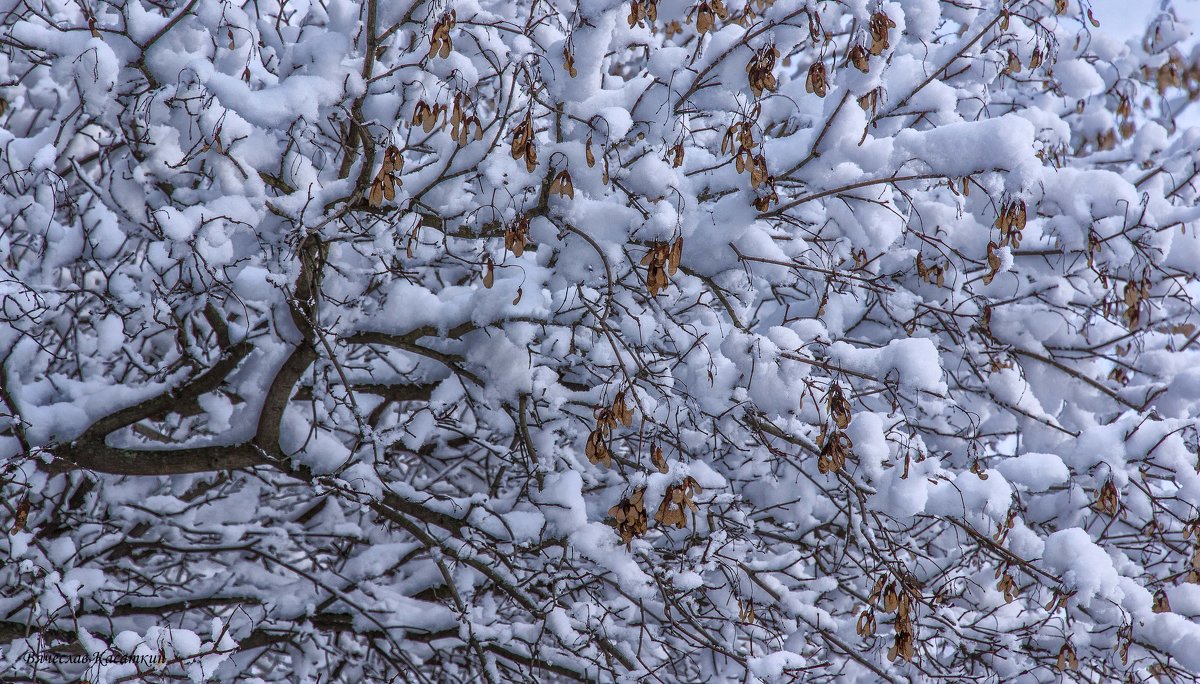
[(1085, 568), (1036, 472), (962, 149), (941, 319)]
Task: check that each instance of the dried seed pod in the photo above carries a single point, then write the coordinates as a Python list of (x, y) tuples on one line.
[(629, 517), (516, 235), (879, 26), (865, 626), (656, 457), (760, 70), (860, 58), (597, 450), (591, 158), (489, 272), (523, 145), (440, 43), (522, 136), (834, 453), (1109, 500), (993, 260), (839, 408), (816, 83), (677, 500), (764, 200), (562, 185), (569, 62), (656, 262), (1014, 63), (728, 138), (675, 255), (621, 410), (383, 186), (22, 515), (758, 170), (1066, 655), (705, 18)]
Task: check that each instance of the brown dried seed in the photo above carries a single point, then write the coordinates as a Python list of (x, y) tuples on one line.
[(569, 62), (815, 83), (704, 18), (656, 457), (860, 59), (675, 256), (22, 515)]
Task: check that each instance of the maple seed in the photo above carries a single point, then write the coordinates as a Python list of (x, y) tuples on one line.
[(569, 62), (657, 261), (489, 272), (675, 255), (597, 450), (839, 408), (834, 453), (22, 515), (562, 185), (385, 182), (629, 517), (860, 59), (705, 18), (516, 235), (621, 410), (993, 260), (523, 146), (760, 70), (656, 457), (879, 25), (1066, 655), (1014, 63), (677, 500), (815, 83), (440, 43)]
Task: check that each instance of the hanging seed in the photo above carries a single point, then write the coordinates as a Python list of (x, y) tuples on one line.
[(569, 62), (705, 18), (815, 83), (879, 26), (22, 515), (675, 255), (656, 457), (860, 59)]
